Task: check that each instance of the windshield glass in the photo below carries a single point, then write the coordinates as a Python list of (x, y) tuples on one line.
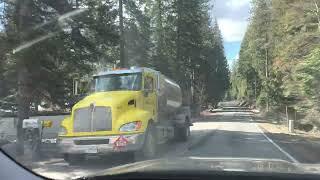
[(206, 85), (118, 82)]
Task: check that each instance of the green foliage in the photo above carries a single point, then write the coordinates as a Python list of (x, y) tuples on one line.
[(187, 49), (59, 41), (279, 55), (309, 75), (69, 47)]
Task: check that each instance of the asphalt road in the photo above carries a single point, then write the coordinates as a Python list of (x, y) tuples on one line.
[(217, 135), (237, 136)]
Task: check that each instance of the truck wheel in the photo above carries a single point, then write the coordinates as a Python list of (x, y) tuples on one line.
[(182, 133), (73, 159), (149, 149)]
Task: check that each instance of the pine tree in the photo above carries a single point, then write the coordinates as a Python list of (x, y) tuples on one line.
[(48, 52), (137, 34), (281, 39)]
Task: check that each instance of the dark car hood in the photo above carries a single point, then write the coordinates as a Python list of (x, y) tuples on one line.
[(211, 164)]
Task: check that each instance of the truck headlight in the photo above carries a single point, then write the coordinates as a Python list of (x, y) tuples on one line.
[(62, 131), (132, 126)]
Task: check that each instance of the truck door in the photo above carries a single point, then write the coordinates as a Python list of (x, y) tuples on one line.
[(149, 93)]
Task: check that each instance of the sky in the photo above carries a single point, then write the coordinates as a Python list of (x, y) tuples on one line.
[(232, 17)]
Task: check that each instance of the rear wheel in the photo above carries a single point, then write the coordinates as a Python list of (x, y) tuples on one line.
[(73, 159), (149, 149)]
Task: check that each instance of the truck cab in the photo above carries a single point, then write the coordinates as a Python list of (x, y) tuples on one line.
[(128, 111)]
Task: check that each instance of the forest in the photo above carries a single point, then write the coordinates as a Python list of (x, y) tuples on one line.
[(279, 61), (46, 44)]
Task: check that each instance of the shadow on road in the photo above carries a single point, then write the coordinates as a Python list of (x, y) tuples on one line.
[(244, 117), (57, 167)]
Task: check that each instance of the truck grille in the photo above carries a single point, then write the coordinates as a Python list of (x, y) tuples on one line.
[(91, 120)]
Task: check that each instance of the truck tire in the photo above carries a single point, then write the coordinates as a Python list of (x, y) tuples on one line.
[(149, 148), (73, 159), (182, 134)]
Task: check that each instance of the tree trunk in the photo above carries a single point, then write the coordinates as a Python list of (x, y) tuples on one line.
[(255, 88), (178, 40), (122, 58), (23, 100), (23, 12), (267, 71), (160, 29), (317, 12)]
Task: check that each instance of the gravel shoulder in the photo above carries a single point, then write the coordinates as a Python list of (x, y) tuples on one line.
[(303, 146)]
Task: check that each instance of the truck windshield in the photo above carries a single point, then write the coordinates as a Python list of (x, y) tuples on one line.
[(118, 82)]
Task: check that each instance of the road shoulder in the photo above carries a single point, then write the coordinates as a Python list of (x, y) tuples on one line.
[(302, 146)]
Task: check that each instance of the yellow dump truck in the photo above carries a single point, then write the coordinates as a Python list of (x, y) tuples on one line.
[(130, 111)]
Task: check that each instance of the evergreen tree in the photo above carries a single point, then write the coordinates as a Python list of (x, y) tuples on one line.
[(46, 45), (276, 55)]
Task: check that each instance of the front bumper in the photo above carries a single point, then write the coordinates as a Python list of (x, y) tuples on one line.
[(69, 145)]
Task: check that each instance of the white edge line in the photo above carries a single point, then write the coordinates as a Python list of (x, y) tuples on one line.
[(276, 145)]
